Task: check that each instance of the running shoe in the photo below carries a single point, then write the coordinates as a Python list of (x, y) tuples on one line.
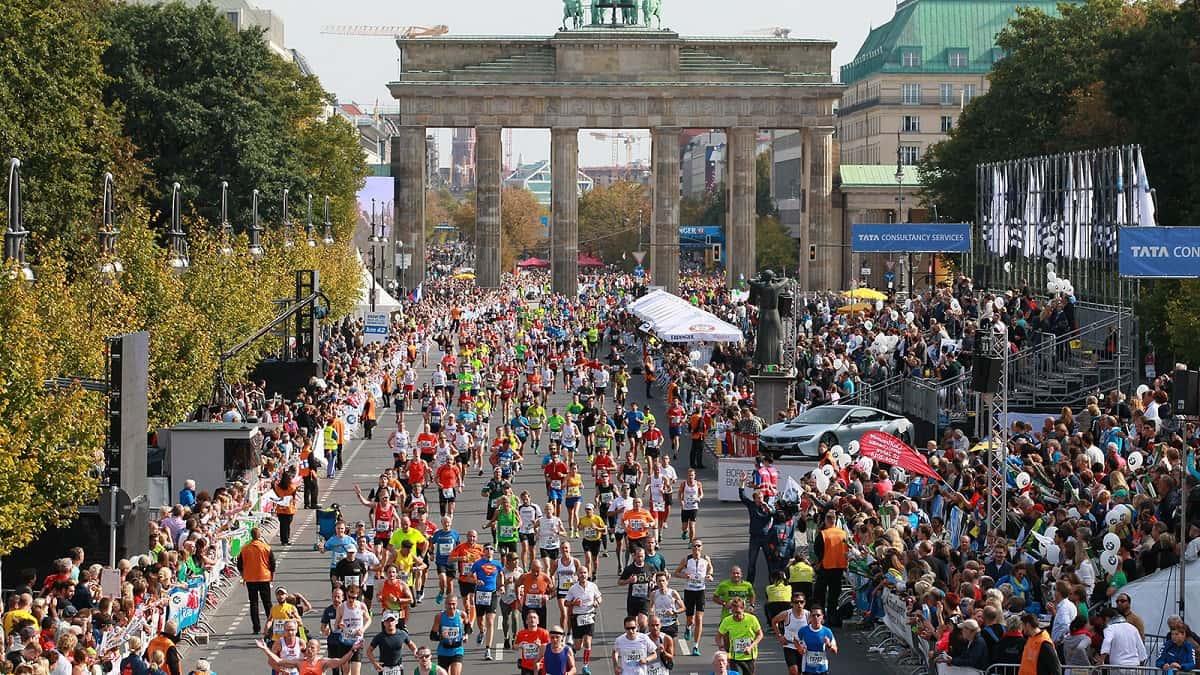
[(441, 596), (487, 654), (687, 634), (479, 640), (695, 650), (587, 670)]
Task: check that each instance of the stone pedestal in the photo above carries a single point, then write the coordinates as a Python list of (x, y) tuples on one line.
[(664, 231), (739, 227), (564, 194), (772, 393), (820, 207), (408, 171), (487, 207)]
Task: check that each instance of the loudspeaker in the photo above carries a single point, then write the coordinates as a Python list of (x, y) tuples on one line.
[(1185, 393), (985, 377), (786, 302)]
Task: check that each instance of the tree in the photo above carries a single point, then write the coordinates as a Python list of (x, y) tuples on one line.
[(520, 224), (614, 220), (774, 246), (203, 102), (1046, 78)]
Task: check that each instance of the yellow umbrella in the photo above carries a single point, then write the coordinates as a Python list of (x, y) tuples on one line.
[(982, 446), (864, 293), (856, 307), (463, 275)]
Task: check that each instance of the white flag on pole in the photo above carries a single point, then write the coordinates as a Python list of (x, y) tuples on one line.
[(1029, 244), (1145, 200)]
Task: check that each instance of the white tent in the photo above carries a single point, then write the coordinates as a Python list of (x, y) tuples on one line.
[(674, 319), (384, 302), (1155, 597)]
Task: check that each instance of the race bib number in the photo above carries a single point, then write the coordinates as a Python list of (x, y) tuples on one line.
[(392, 670), (633, 657), (277, 626), (448, 493), (352, 580), (667, 618), (585, 619), (658, 505), (450, 634), (815, 661), (508, 597), (574, 491), (589, 533), (690, 504), (640, 590), (742, 646), (382, 525), (492, 502), (695, 582), (636, 524), (556, 485), (444, 549), (631, 480), (555, 435), (533, 601), (530, 651), (565, 583), (606, 497), (483, 598), (508, 531)]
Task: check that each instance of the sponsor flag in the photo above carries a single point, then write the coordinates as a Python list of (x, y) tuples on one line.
[(888, 449), (1145, 200)]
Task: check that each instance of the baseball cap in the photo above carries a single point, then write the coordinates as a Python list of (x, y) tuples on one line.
[(590, 507), (389, 617), (351, 549)]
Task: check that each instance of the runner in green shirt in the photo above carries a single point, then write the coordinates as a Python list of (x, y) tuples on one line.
[(536, 415), (505, 525), (555, 423), (735, 587), (739, 634)]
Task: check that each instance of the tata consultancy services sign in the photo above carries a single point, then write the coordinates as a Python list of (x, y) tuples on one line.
[(910, 238), (1160, 252)]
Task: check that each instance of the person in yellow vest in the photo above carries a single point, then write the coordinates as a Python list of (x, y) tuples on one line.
[(164, 643), (831, 553), (1039, 656), (333, 440), (801, 574), (370, 414)]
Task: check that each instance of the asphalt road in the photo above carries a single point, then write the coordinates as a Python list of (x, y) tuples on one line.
[(303, 570)]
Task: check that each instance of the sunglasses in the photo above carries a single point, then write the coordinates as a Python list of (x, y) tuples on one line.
[(630, 627)]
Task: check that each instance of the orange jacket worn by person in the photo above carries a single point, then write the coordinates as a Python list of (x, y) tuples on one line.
[(256, 561)]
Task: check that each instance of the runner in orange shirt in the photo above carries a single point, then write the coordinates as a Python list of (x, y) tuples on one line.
[(534, 589), (427, 444), (639, 524), (530, 643), (464, 555), (449, 480)]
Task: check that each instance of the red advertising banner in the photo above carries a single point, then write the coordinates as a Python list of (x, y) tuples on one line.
[(888, 449)]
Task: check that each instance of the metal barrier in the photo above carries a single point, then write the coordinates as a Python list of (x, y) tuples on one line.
[(1106, 669)]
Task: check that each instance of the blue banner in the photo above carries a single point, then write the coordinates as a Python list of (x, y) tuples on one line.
[(185, 604), (1159, 252), (910, 238)]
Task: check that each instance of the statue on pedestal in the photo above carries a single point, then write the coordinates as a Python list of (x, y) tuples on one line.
[(572, 14), (765, 290)]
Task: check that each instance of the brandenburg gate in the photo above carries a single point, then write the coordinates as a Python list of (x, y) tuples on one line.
[(613, 77)]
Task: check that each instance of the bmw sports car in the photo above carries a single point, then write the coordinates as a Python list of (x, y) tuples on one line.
[(832, 425)]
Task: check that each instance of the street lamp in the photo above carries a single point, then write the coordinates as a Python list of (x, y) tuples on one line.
[(377, 242), (256, 230), (287, 223), (328, 225), (309, 230), (108, 266), (176, 237), (14, 236), (226, 226)]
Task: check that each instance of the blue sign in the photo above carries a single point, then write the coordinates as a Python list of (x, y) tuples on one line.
[(910, 238), (1159, 252), (889, 276), (691, 236)]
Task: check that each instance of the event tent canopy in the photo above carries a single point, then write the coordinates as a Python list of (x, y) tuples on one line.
[(533, 262), (1155, 597), (674, 319), (586, 260), (384, 302)]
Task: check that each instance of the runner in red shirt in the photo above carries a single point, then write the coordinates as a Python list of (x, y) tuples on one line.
[(530, 643), (449, 480), (556, 471), (676, 418), (427, 444)]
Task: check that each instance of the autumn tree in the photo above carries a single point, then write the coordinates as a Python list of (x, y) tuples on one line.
[(614, 220), (520, 224)]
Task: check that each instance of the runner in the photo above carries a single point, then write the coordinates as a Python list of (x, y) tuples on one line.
[(583, 601), (697, 569), (549, 532), (594, 533), (449, 480), (559, 658), (815, 642), (530, 642), (534, 589), (510, 612), (444, 541), (633, 650), (740, 633), (734, 588), (664, 642), (449, 626), (676, 418), (353, 619), (573, 485), (566, 570), (391, 643), (665, 604), (485, 576), (310, 662), (556, 471), (636, 577), (395, 597), (464, 556), (425, 664), (786, 625), (691, 492), (529, 514), (640, 525)]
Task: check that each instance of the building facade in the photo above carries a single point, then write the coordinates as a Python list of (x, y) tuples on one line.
[(913, 75), (538, 179)]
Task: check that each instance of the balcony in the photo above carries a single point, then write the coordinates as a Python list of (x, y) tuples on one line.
[(930, 98)]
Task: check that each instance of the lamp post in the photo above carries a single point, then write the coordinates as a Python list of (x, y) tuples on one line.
[(255, 248), (309, 230), (328, 225), (14, 236), (377, 242), (176, 237), (108, 265), (900, 205), (226, 226), (287, 223)]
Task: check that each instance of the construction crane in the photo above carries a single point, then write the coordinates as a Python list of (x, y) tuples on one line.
[(773, 31), (617, 138), (396, 32)]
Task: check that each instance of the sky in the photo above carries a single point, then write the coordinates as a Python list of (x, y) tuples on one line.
[(357, 69)]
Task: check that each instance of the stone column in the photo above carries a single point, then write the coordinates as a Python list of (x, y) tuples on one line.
[(820, 208), (564, 196), (664, 229), (739, 221), (487, 207), (805, 267), (408, 172)]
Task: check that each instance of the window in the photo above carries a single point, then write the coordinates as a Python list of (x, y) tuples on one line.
[(909, 154), (911, 123), (958, 58), (968, 93), (911, 93), (910, 58), (946, 93), (947, 124)]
